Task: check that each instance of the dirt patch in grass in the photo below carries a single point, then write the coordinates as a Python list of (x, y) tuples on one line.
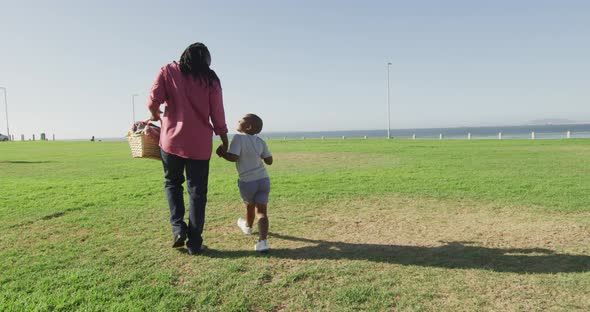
[(391, 223), (422, 222), (468, 254), (475, 244)]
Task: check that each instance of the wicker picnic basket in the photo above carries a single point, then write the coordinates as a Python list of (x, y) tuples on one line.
[(144, 140)]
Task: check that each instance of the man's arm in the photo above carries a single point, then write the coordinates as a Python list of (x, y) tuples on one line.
[(157, 96), (224, 141), (217, 113)]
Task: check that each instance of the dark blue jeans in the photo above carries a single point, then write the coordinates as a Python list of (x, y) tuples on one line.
[(197, 176)]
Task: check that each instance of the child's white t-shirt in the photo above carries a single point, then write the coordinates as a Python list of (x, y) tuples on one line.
[(250, 150)]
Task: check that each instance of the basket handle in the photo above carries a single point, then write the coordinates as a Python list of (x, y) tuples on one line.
[(148, 123)]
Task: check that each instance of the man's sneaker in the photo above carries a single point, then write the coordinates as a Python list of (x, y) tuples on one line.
[(178, 240), (196, 252), (261, 246), (242, 225)]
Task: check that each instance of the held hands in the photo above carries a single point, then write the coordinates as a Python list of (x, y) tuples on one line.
[(221, 150)]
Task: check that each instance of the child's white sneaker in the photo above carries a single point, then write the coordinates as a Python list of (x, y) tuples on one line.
[(242, 225), (261, 246)]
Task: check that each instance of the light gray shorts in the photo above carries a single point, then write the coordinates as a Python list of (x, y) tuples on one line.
[(255, 192)]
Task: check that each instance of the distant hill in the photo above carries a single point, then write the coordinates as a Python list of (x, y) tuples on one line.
[(554, 121)]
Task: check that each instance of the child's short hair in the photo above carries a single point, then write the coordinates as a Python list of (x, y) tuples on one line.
[(255, 122)]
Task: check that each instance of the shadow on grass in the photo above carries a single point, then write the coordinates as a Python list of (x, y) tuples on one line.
[(25, 162), (452, 255), (44, 218)]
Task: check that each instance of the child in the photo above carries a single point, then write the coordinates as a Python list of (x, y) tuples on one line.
[(248, 150)]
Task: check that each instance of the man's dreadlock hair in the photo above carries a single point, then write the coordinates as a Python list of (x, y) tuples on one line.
[(195, 61)]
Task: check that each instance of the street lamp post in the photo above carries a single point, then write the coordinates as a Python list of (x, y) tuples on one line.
[(133, 105), (6, 108), (388, 105)]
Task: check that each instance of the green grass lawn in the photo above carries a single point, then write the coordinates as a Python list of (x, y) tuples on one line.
[(355, 225)]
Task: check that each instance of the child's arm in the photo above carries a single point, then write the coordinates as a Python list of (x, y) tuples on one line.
[(266, 155), (225, 155)]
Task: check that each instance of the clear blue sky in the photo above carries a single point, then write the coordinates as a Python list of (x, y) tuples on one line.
[(70, 67)]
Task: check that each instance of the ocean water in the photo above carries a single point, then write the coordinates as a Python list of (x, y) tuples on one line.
[(508, 132), (477, 133)]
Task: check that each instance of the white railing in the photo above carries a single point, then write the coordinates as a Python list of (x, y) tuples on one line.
[(442, 136)]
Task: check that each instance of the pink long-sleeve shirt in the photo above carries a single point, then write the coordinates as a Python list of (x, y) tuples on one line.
[(193, 112)]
